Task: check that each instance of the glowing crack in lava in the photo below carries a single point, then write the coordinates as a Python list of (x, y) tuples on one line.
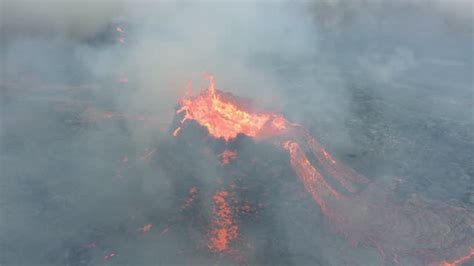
[(436, 233), (225, 228)]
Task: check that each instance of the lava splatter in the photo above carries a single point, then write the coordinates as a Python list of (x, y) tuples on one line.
[(369, 217), (225, 229)]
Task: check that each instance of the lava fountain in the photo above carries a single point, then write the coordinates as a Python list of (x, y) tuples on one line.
[(359, 210)]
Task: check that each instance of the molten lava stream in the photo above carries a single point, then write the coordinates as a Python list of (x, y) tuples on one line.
[(458, 261), (345, 176), (223, 119), (311, 178), (224, 227), (369, 216)]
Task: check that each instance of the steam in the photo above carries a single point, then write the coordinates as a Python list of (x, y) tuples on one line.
[(385, 86), (70, 19)]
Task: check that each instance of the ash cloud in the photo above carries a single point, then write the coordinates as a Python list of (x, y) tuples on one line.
[(385, 86)]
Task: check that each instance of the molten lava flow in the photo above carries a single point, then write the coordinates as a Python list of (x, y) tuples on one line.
[(345, 176), (222, 117), (311, 178), (390, 228), (225, 229), (225, 117), (193, 193), (461, 260)]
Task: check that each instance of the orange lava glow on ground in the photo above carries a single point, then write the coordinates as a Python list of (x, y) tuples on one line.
[(193, 193), (226, 156), (312, 179), (459, 261), (225, 229), (225, 116), (146, 228)]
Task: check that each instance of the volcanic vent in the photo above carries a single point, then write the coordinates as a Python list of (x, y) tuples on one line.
[(218, 124)]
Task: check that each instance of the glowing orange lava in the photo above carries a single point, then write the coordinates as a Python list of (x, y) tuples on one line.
[(193, 192), (459, 261), (225, 229), (362, 217), (146, 228), (226, 156), (222, 117), (225, 116), (345, 176), (312, 179)]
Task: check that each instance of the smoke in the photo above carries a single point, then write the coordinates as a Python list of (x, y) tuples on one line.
[(70, 19), (385, 86)]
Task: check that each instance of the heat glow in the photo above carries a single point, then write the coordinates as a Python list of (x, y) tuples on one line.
[(226, 116), (225, 229), (459, 261), (226, 156), (222, 116)]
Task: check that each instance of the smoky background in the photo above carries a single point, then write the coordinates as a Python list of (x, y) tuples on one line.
[(386, 86)]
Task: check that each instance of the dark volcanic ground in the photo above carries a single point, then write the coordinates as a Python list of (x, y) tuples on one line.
[(80, 175), (65, 183)]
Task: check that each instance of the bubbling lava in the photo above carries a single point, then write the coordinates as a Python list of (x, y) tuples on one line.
[(224, 118), (354, 214)]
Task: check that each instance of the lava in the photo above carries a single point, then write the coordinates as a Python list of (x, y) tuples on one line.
[(369, 217), (146, 228), (193, 193), (459, 261), (312, 179), (226, 156), (225, 228), (347, 177), (222, 117)]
